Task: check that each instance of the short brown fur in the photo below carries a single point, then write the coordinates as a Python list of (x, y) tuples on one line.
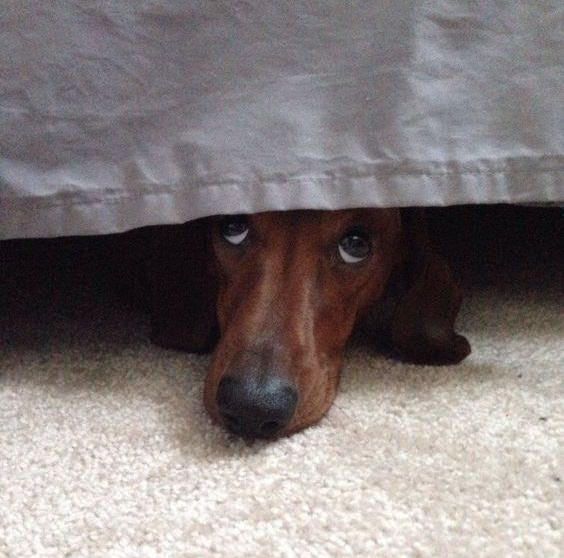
[(285, 303)]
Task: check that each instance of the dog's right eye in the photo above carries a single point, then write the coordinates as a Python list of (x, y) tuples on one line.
[(234, 229)]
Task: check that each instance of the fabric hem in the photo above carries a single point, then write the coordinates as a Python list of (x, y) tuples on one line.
[(22, 218)]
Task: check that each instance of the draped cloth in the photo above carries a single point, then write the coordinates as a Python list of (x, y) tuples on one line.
[(119, 114)]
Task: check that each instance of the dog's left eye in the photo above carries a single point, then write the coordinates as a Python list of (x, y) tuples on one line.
[(355, 246), (234, 229)]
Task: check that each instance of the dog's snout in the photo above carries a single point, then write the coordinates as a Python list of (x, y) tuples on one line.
[(256, 407)]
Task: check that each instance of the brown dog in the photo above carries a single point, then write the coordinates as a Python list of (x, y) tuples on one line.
[(283, 291)]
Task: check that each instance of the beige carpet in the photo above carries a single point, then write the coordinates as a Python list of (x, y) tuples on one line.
[(105, 448)]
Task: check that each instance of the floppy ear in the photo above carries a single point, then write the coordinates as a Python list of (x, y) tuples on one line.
[(183, 287), (418, 311)]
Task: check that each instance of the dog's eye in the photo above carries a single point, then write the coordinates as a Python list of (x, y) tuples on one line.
[(354, 246), (234, 229)]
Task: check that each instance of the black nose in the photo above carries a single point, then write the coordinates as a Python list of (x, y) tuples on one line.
[(256, 407)]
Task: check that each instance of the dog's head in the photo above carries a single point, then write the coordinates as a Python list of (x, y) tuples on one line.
[(289, 288)]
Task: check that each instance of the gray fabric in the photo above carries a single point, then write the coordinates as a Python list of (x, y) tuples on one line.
[(120, 114)]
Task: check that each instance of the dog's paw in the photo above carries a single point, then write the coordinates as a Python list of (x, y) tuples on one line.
[(184, 339), (453, 351)]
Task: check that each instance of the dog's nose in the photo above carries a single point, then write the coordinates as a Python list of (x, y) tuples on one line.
[(256, 408)]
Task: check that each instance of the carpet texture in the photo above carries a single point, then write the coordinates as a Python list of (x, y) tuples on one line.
[(105, 448)]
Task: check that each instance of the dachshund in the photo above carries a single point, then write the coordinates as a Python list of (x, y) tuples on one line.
[(276, 296)]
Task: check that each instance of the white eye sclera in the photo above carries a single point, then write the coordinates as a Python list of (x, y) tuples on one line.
[(235, 229), (354, 246), (237, 238)]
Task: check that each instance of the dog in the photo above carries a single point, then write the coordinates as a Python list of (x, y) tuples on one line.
[(276, 296)]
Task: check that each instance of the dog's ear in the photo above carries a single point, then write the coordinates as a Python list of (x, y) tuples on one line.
[(418, 311), (182, 287)]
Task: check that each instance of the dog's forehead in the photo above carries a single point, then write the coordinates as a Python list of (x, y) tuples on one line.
[(322, 222), (368, 217)]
